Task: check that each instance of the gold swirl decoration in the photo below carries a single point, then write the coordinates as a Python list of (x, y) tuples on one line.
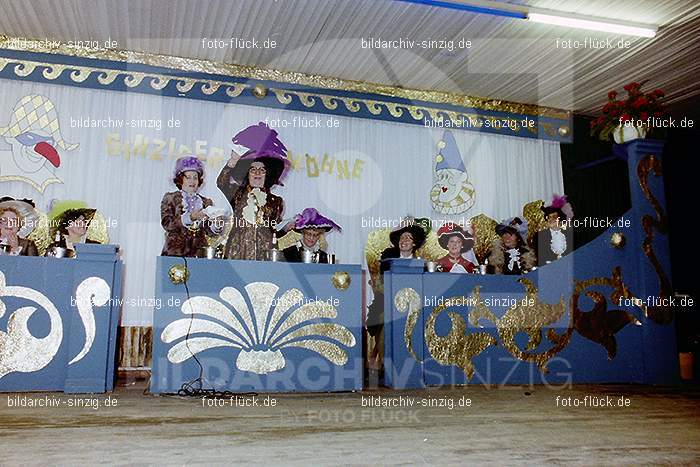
[(651, 164), (457, 347), (528, 315), (531, 315), (408, 300), (600, 324), (302, 79)]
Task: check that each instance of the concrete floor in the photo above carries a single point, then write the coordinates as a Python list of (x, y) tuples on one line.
[(503, 426)]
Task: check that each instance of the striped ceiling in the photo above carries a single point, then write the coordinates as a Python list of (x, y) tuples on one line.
[(509, 59)]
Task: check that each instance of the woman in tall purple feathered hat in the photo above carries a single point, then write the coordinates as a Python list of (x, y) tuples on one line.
[(183, 213), (246, 181)]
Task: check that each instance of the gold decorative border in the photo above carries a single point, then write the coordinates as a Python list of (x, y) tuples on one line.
[(131, 79), (252, 72)]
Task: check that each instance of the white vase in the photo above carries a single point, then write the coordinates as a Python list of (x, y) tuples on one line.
[(626, 133)]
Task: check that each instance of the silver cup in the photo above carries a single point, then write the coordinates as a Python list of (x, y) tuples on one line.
[(208, 252), (307, 256), (432, 267), (274, 255)]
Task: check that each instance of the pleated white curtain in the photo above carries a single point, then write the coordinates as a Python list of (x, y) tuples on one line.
[(394, 163)]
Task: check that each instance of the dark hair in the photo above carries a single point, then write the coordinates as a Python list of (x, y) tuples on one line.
[(181, 176), (72, 215)]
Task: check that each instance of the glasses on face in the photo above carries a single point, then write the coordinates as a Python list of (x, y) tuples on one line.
[(258, 170)]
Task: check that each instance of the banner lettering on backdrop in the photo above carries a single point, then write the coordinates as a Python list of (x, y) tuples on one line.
[(117, 150)]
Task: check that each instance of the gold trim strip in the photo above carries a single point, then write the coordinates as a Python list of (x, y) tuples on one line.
[(252, 72)]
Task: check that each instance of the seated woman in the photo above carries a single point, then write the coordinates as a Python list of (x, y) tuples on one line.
[(310, 224), (69, 222), (246, 182), (556, 240), (509, 253), (458, 243), (405, 240), (183, 213), (17, 220)]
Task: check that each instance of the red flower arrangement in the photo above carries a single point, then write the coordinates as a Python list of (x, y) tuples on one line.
[(637, 108)]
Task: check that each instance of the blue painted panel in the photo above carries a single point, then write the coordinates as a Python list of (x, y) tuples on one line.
[(256, 366), (60, 353), (632, 352)]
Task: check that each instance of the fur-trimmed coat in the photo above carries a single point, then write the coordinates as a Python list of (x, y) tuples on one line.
[(499, 258), (180, 240)]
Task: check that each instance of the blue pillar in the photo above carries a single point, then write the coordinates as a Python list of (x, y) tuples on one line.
[(403, 281), (95, 373), (649, 250)]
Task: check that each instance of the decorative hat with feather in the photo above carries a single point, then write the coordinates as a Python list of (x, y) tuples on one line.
[(25, 208), (187, 163), (64, 212), (310, 218), (263, 146), (450, 230), (561, 206), (514, 225)]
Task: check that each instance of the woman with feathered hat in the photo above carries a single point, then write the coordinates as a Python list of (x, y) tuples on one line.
[(184, 214), (18, 218), (246, 181), (310, 224), (556, 239), (510, 253), (70, 219), (458, 242)]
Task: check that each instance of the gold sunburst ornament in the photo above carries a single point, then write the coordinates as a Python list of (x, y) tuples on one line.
[(178, 274), (618, 240), (341, 280)]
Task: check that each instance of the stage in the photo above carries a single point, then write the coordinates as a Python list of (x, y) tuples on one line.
[(505, 425)]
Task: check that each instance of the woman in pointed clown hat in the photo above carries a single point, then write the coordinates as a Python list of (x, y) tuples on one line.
[(246, 181), (185, 214), (18, 218), (458, 242), (311, 225)]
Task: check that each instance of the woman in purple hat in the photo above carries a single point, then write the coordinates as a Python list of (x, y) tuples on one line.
[(183, 212), (310, 224), (246, 181)]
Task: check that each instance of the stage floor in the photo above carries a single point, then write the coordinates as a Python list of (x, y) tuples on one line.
[(502, 425)]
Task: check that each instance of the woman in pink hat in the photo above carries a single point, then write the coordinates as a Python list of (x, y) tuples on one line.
[(246, 181), (182, 212)]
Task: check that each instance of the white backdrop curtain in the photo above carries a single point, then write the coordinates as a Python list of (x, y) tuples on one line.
[(395, 174)]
